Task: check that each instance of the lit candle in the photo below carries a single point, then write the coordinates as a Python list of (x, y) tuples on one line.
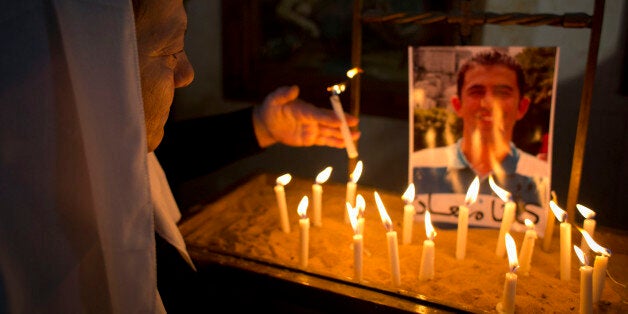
[(280, 194), (463, 218), (352, 186), (599, 265), (527, 248), (426, 272), (507, 304), (549, 228), (408, 214), (336, 90), (357, 242), (317, 195), (586, 283), (565, 241), (391, 236), (588, 225), (360, 203), (304, 226), (508, 217)]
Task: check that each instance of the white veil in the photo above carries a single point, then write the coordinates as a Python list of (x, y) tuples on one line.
[(76, 218)]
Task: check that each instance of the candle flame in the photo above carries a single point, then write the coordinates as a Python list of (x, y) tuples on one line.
[(529, 223), (501, 193), (360, 204), (302, 209), (429, 228), (284, 179), (511, 250), (472, 192), (585, 211), (408, 195), (595, 247), (357, 172), (337, 89), (382, 212), (559, 213), (323, 175), (353, 217), (581, 256), (353, 72)]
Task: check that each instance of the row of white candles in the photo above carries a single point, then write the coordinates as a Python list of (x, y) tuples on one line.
[(592, 278)]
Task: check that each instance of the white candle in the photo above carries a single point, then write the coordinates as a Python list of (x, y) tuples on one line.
[(426, 271), (304, 227), (408, 214), (599, 266), (507, 304), (391, 237), (358, 242), (508, 216), (280, 194), (317, 195), (352, 152), (527, 248), (549, 228), (586, 283), (565, 241), (463, 218), (588, 225), (352, 186)]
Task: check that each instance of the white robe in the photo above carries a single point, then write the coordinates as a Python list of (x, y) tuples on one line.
[(77, 220)]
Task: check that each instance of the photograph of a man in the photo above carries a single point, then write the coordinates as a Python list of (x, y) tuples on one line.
[(471, 132)]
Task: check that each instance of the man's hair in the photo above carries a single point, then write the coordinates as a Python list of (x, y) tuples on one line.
[(488, 58)]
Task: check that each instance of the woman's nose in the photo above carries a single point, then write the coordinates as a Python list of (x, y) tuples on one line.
[(184, 72)]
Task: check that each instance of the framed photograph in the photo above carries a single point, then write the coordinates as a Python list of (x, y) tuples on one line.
[(487, 113)]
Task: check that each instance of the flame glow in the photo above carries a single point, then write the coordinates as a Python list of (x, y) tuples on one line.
[(357, 172), (595, 247), (511, 250), (408, 195), (382, 213), (581, 256), (529, 224), (429, 228), (323, 175), (353, 217), (559, 213), (302, 209), (501, 193), (360, 204), (585, 211), (284, 179), (337, 89), (353, 72), (472, 192)]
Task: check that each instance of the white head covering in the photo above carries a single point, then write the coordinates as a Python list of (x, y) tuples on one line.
[(76, 218)]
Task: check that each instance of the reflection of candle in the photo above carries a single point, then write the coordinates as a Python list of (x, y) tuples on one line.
[(588, 225), (549, 228), (408, 214), (361, 205), (304, 226), (586, 282), (507, 218), (352, 186), (599, 266), (565, 241), (336, 90), (357, 242), (507, 305), (280, 194), (426, 272), (463, 218), (527, 248), (317, 194), (391, 236)]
